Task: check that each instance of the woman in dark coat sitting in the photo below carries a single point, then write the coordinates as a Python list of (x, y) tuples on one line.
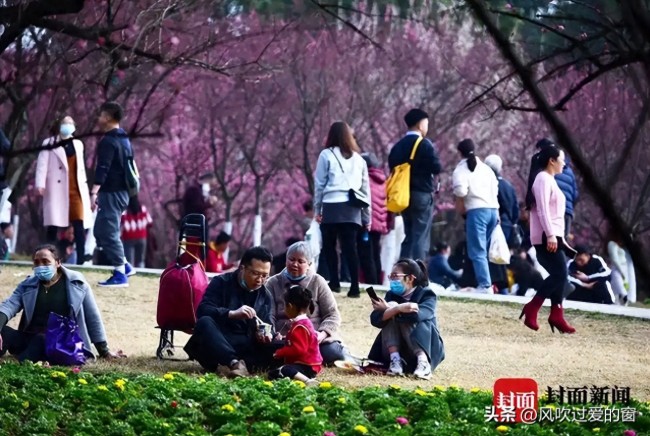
[(407, 318), (52, 288)]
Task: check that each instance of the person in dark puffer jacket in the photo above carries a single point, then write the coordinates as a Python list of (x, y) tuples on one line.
[(567, 183), (370, 249)]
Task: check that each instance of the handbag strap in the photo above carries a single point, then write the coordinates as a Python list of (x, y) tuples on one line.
[(415, 148), (341, 166)]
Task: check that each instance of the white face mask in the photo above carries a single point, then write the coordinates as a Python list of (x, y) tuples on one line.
[(205, 187), (66, 130)]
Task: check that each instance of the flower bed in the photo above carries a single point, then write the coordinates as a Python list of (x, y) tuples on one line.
[(55, 401)]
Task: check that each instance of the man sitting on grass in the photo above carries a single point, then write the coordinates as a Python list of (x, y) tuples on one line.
[(590, 275), (227, 331)]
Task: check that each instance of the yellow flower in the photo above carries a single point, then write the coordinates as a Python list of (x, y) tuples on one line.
[(165, 425), (475, 390), (342, 400), (440, 388), (502, 428), (420, 392), (551, 406), (119, 383), (361, 429), (102, 388), (268, 383), (201, 379), (325, 385), (168, 376), (596, 430), (299, 383), (58, 374), (454, 386), (308, 409), (227, 408), (284, 433), (82, 381), (396, 387), (26, 405)]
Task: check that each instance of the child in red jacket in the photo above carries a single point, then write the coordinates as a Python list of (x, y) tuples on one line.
[(301, 354)]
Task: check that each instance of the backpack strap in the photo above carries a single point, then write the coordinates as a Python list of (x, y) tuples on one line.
[(415, 148)]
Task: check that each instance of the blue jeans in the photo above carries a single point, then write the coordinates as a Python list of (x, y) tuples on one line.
[(110, 206), (479, 226), (418, 219)]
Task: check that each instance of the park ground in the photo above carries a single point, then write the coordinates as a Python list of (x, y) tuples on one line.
[(483, 341)]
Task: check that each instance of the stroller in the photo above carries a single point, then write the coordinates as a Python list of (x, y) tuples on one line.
[(182, 284)]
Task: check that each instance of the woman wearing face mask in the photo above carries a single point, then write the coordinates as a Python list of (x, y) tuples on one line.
[(52, 288), (61, 181), (325, 317), (409, 340)]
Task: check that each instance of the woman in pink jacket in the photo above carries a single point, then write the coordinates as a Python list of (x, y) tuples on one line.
[(546, 234), (61, 180), (368, 242)]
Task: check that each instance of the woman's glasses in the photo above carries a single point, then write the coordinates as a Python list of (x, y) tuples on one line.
[(395, 276)]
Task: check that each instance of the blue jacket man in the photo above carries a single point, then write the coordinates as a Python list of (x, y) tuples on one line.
[(566, 180)]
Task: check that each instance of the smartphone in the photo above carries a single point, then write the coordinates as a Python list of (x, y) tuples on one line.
[(372, 294)]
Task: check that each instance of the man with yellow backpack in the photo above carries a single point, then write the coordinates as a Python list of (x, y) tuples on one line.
[(413, 163)]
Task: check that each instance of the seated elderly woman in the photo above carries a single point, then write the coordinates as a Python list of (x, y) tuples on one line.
[(325, 317), (409, 339), (52, 288)]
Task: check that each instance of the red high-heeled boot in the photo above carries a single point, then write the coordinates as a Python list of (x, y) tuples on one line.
[(530, 310), (556, 320)]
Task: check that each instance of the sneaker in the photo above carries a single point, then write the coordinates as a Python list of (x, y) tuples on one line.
[(396, 367), (238, 369), (129, 270), (312, 382), (117, 280), (423, 370)]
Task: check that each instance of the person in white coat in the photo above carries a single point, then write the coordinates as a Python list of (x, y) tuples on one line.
[(61, 181), (340, 173)]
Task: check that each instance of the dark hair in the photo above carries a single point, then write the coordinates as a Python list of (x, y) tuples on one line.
[(415, 268), (206, 176), (222, 238), (440, 247), (546, 153), (466, 148), (113, 110), (51, 248), (258, 253), (308, 206), (340, 135), (544, 142), (134, 206), (582, 249), (5, 226), (414, 116), (300, 298)]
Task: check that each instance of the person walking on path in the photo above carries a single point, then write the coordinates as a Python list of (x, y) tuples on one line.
[(62, 182), (341, 170), (546, 234), (110, 193), (418, 216), (476, 189)]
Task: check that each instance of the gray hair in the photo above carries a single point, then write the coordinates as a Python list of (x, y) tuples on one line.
[(300, 248)]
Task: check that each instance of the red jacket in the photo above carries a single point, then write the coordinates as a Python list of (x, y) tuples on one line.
[(134, 226), (215, 262), (302, 345), (378, 194)]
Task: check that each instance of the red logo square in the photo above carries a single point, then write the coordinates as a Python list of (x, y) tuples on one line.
[(515, 400)]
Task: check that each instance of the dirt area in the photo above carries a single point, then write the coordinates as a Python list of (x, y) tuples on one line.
[(483, 341)]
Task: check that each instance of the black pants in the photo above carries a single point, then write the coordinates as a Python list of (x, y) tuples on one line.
[(79, 239), (290, 371), (369, 257), (601, 293), (346, 234), (211, 345), (26, 346), (556, 266)]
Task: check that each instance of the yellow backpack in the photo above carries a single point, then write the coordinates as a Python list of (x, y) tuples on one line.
[(398, 186)]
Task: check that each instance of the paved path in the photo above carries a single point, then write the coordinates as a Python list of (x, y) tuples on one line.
[(610, 309)]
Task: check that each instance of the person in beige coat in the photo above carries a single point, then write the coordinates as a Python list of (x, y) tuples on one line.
[(61, 181), (325, 317)]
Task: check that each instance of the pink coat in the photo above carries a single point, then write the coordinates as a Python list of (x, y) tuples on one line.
[(379, 222), (52, 175)]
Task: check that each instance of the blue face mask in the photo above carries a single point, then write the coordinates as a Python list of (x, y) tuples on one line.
[(397, 287), (292, 278), (66, 130), (44, 273)]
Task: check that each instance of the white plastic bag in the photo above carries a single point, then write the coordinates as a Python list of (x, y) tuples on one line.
[(499, 252), (314, 238)]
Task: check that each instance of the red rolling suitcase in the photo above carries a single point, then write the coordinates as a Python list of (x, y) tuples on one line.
[(182, 284)]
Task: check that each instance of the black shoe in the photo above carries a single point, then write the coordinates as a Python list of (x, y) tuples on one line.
[(337, 290), (354, 294)]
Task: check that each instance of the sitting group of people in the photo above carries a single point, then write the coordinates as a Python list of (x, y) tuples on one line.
[(288, 323)]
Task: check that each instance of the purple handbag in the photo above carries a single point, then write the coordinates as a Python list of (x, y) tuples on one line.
[(63, 345)]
